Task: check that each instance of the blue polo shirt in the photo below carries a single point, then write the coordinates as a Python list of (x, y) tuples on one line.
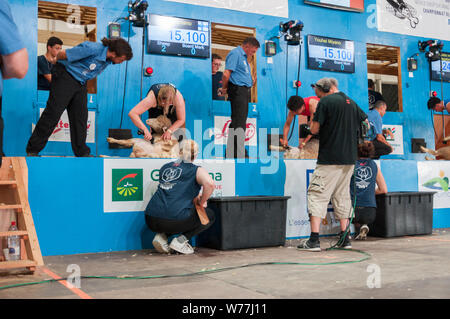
[(237, 63), (376, 123), (86, 61), (10, 41)]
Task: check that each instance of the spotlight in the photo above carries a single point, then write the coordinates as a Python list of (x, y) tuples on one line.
[(434, 49), (136, 11), (291, 31)]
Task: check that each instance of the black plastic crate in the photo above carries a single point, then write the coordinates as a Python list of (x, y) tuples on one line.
[(402, 214), (246, 222)]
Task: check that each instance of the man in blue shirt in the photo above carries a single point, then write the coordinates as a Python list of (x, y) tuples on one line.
[(376, 134), (436, 104), (47, 61), (74, 68), (13, 56), (236, 82)]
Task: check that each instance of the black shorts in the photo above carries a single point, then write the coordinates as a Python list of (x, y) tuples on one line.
[(365, 215)]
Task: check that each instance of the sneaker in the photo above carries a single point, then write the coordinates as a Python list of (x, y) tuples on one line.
[(344, 242), (161, 244), (363, 232), (181, 245), (309, 245)]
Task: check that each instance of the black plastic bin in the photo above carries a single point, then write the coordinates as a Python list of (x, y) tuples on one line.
[(402, 214), (246, 222)]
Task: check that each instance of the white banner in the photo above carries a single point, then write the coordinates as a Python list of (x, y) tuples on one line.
[(434, 177), (278, 8), (128, 184), (298, 175), (421, 18), (61, 133), (221, 125), (397, 141)]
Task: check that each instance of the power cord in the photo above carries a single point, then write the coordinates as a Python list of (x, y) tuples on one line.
[(202, 272)]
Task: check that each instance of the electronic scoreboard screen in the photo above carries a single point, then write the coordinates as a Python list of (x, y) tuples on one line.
[(331, 54), (436, 68), (178, 36)]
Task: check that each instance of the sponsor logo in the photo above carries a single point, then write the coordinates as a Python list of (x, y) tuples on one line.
[(217, 176), (127, 185), (439, 183), (250, 131), (66, 125)]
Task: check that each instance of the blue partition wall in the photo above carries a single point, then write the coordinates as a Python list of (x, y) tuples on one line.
[(193, 75)]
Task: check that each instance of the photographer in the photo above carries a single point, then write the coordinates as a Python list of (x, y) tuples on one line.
[(336, 121)]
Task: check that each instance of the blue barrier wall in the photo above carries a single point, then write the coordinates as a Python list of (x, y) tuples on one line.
[(193, 76), (66, 197)]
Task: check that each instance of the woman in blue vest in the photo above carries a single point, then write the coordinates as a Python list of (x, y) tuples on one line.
[(177, 208), (367, 181), (161, 99)]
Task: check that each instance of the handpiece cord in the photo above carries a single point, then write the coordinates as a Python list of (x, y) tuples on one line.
[(125, 82)]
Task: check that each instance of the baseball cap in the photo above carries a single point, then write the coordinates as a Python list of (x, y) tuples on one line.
[(323, 84)]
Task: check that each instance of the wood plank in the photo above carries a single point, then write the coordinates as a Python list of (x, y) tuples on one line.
[(10, 182), (13, 233), (16, 206), (379, 69), (69, 39), (399, 78), (17, 264)]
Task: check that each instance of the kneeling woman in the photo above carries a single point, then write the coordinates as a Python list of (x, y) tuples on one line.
[(177, 208)]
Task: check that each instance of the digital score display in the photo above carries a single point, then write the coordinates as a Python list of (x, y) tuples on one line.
[(331, 54), (178, 36), (436, 68)]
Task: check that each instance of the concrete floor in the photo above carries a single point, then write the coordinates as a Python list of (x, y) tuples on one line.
[(401, 268)]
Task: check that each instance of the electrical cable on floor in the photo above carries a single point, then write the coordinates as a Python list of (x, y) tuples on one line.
[(202, 272)]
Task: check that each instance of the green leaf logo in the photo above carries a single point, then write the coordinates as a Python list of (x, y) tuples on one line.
[(127, 185)]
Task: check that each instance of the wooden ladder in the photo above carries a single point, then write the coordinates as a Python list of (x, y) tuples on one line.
[(14, 196)]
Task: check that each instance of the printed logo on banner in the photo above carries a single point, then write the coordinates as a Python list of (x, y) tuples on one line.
[(221, 127), (395, 138), (127, 185), (216, 176), (61, 133), (439, 183)]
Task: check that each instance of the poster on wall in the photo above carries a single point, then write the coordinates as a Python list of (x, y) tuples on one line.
[(396, 139), (298, 175), (61, 133), (128, 184), (434, 177), (278, 8), (421, 18), (221, 126), (349, 5)]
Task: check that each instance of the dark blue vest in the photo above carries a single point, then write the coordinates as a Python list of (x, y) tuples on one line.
[(177, 188), (365, 178)]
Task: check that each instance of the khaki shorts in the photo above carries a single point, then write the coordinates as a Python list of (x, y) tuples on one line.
[(330, 182)]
